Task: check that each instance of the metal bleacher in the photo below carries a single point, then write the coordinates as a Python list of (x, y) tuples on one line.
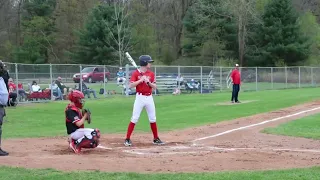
[(166, 83)]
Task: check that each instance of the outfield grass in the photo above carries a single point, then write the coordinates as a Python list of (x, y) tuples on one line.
[(112, 115), (7, 173), (307, 127)]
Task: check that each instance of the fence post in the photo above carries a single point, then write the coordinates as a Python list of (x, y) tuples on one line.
[(179, 71), (51, 82), (256, 78), (271, 77), (80, 80), (104, 80), (17, 81), (299, 77), (201, 79), (127, 81), (220, 78), (312, 83), (286, 74)]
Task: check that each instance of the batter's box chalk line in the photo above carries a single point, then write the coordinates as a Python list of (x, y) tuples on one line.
[(199, 149)]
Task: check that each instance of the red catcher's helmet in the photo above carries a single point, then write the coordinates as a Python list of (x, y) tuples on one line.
[(76, 97)]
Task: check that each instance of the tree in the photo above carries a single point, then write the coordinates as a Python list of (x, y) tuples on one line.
[(119, 36), (209, 33), (38, 32), (94, 45), (279, 39)]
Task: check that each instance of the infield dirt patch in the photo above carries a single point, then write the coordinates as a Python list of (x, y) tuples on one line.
[(243, 149)]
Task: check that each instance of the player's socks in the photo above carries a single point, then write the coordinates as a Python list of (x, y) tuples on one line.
[(130, 129), (154, 130)]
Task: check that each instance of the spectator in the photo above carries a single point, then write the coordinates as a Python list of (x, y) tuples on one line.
[(56, 91), (35, 87), (121, 78), (63, 87), (21, 91), (13, 90), (179, 80), (86, 90), (12, 93)]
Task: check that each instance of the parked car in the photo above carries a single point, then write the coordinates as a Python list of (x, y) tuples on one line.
[(92, 74)]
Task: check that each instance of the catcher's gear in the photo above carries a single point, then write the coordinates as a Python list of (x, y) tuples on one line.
[(88, 115), (90, 143), (77, 97)]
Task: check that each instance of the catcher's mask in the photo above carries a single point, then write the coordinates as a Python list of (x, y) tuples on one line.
[(77, 97)]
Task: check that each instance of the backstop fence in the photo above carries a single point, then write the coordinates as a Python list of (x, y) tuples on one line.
[(103, 79)]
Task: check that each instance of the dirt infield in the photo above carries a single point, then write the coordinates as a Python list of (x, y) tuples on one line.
[(231, 145)]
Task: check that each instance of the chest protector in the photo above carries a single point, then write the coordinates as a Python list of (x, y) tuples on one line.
[(74, 108)]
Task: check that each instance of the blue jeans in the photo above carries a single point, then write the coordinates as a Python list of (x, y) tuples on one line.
[(88, 91)]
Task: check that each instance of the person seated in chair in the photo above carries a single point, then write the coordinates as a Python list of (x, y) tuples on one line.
[(86, 90), (56, 91), (63, 87), (12, 94), (35, 87), (121, 78)]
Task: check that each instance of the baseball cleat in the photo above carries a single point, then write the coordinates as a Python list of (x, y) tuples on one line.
[(158, 142), (127, 142), (73, 146)]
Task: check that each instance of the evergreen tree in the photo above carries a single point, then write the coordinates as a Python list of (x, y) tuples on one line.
[(209, 32), (38, 29), (279, 40), (95, 44)]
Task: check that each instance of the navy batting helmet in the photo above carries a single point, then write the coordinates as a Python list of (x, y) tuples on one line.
[(145, 59)]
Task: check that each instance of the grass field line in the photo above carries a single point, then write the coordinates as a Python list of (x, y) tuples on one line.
[(253, 125)]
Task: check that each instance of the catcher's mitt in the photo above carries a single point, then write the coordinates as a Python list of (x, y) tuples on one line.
[(89, 115)]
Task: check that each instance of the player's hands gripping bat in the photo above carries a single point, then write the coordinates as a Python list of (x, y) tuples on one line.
[(87, 111), (132, 61)]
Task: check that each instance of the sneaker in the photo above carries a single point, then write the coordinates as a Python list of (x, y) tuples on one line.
[(238, 102), (158, 142), (127, 142), (73, 146), (3, 153), (232, 101)]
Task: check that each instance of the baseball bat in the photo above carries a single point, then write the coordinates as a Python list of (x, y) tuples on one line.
[(132, 61)]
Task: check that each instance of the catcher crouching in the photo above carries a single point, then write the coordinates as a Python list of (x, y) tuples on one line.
[(76, 116)]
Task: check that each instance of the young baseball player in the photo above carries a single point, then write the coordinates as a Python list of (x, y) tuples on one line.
[(80, 137), (144, 81)]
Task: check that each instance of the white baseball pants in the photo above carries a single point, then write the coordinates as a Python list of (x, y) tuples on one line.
[(141, 102), (79, 134)]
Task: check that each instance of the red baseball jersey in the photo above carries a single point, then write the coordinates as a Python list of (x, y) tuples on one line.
[(143, 87), (236, 77)]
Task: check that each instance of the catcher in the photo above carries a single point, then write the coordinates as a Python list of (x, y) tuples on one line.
[(80, 137)]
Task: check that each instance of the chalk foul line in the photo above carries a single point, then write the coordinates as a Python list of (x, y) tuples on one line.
[(206, 149), (257, 124)]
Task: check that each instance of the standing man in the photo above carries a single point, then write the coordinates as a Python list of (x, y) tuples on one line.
[(4, 96), (236, 80), (144, 81)]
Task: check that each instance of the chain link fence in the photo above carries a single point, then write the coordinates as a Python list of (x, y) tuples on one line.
[(102, 81)]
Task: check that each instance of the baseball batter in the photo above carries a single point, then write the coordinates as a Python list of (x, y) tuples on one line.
[(80, 137), (144, 81)]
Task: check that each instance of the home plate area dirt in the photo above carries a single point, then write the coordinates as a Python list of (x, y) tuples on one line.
[(230, 145)]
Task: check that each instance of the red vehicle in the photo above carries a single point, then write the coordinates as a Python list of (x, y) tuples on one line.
[(92, 74)]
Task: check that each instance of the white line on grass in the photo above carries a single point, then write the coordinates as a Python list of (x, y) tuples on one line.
[(252, 125)]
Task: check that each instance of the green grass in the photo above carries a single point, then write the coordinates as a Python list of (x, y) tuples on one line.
[(7, 173), (307, 127), (112, 115)]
